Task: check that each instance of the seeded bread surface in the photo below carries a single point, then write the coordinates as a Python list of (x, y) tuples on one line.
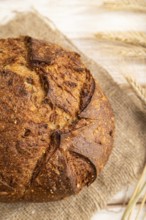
[(56, 125)]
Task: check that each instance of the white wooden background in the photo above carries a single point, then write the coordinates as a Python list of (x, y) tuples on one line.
[(80, 20)]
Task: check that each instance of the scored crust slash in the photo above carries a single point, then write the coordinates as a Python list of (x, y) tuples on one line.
[(56, 125)]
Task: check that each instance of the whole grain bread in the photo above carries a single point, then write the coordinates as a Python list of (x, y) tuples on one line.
[(56, 125)]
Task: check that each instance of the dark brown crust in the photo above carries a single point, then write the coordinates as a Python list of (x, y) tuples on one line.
[(56, 125), (87, 91), (41, 55)]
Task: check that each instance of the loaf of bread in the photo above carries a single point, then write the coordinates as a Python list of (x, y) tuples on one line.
[(56, 125)]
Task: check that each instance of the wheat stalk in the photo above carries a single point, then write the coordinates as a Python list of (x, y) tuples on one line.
[(133, 38), (128, 5), (141, 207), (137, 192), (141, 93)]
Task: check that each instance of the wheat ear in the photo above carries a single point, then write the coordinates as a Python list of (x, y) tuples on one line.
[(140, 92), (125, 51), (128, 5), (133, 38)]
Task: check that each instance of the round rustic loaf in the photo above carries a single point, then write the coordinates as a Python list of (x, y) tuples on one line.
[(56, 125)]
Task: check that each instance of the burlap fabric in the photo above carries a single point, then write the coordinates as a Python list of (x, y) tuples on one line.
[(129, 153)]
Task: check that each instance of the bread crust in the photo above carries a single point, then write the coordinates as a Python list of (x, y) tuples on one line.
[(56, 125)]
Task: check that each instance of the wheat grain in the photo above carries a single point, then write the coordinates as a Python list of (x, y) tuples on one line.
[(128, 5), (133, 38)]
